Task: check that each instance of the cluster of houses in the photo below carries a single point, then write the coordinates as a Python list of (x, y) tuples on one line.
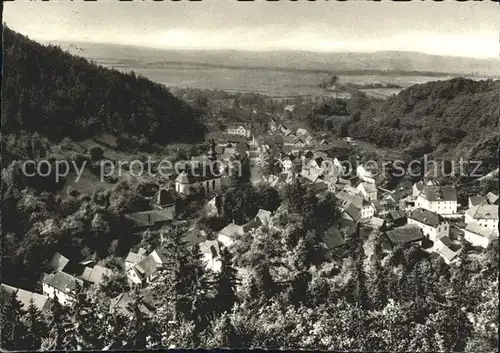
[(425, 212)]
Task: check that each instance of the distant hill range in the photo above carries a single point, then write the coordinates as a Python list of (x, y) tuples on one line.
[(391, 62)]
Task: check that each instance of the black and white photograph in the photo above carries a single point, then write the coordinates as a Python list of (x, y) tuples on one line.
[(285, 175)]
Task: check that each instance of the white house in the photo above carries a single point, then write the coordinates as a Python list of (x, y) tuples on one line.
[(367, 211), (439, 199), (146, 270), (189, 181), (479, 236), (241, 129), (418, 187), (62, 287), (368, 190), (433, 225), (484, 216)]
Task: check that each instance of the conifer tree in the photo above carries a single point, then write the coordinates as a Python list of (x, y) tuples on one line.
[(13, 329), (225, 284), (36, 326)]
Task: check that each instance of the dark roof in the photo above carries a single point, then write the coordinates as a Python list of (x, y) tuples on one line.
[(165, 196), (439, 193), (478, 200), (121, 305), (194, 236), (332, 238), (62, 281), (426, 217), (151, 218), (147, 266), (58, 262), (405, 234), (396, 214), (353, 212)]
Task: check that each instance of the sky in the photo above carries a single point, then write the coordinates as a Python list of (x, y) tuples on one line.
[(470, 29)]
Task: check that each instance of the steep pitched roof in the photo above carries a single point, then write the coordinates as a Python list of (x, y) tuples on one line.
[(134, 258), (348, 198), (211, 247), (121, 305), (483, 212), (232, 230), (147, 266), (42, 302), (426, 217), (96, 274), (353, 212), (492, 198), (332, 238), (264, 215), (478, 200), (396, 214), (481, 231), (58, 262), (446, 248), (194, 236), (439, 193), (62, 281), (151, 218), (404, 234)]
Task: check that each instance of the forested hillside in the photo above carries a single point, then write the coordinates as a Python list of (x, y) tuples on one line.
[(435, 116), (449, 119), (59, 95)]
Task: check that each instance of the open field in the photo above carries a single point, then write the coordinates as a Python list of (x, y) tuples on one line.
[(266, 81)]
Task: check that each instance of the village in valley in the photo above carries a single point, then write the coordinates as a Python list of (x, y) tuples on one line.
[(423, 213)]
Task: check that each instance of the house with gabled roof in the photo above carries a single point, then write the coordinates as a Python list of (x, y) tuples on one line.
[(439, 199), (409, 233), (477, 201), (368, 191), (492, 198), (42, 302), (146, 270), (121, 305), (432, 224), (240, 129), (62, 287), (448, 250), (483, 215), (479, 236), (96, 274), (331, 239), (133, 258), (152, 219)]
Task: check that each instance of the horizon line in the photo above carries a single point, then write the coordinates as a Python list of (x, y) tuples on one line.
[(48, 41)]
